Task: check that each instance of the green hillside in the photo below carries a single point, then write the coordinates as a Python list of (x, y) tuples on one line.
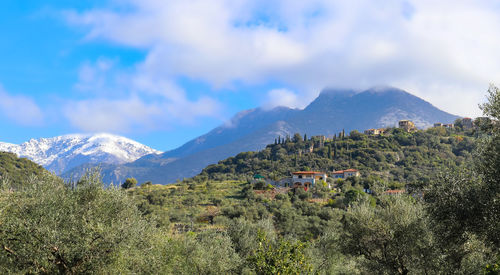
[(396, 156), (17, 170)]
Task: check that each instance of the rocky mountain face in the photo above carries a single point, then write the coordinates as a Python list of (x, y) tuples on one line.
[(63, 153), (241, 125), (330, 113)]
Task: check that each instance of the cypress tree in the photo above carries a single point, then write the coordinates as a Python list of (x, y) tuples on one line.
[(350, 155)]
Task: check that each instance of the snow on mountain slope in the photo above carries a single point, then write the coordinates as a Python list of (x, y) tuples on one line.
[(59, 154)]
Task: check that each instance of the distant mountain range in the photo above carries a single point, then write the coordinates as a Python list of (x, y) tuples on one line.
[(63, 153), (251, 130)]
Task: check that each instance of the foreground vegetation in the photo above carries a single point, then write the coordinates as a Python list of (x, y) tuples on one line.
[(448, 222)]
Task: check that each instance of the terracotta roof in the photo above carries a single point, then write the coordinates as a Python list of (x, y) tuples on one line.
[(351, 170), (307, 172), (339, 172)]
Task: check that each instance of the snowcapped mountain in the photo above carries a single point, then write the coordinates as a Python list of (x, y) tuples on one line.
[(62, 153)]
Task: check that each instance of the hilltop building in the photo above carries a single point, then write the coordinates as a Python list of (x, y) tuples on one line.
[(407, 125), (343, 174)]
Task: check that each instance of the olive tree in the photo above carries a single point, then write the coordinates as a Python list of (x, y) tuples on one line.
[(49, 227), (391, 238)]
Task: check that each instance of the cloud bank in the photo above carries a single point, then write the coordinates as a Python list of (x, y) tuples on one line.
[(281, 97), (20, 109), (444, 51), (121, 101)]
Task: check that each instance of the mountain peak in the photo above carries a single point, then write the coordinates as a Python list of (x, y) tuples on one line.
[(337, 92), (380, 89), (62, 153)]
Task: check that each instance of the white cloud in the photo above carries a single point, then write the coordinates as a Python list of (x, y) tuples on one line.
[(121, 102), (125, 115), (110, 115), (444, 51), (20, 109), (282, 97), (95, 76)]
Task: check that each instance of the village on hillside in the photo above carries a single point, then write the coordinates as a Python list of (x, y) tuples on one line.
[(307, 180)]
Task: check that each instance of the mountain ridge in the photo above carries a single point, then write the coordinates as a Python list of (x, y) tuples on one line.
[(250, 130)]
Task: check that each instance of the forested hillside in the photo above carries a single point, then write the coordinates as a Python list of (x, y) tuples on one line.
[(397, 156)]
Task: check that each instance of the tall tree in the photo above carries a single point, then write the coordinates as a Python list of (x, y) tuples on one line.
[(393, 237), (297, 137)]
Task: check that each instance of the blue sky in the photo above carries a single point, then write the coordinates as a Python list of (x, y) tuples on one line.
[(163, 72)]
